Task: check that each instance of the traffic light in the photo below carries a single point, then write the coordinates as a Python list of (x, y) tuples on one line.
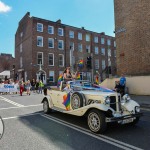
[(89, 62)]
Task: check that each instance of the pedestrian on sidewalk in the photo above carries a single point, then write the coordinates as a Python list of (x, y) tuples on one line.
[(123, 83), (28, 87), (21, 87), (33, 83), (37, 86), (41, 85)]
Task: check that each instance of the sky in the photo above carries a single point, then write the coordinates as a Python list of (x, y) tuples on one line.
[(93, 15)]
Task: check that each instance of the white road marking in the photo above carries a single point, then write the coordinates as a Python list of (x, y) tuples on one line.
[(15, 117), (106, 139), (21, 107), (11, 102)]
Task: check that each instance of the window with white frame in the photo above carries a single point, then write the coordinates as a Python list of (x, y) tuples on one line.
[(103, 51), (87, 37), (50, 43), (114, 43), (96, 49), (79, 47), (109, 52), (51, 59), (103, 64), (71, 44), (108, 42), (61, 60), (96, 63), (21, 65), (60, 32), (51, 76), (96, 39), (39, 27), (88, 48), (39, 58), (60, 44), (102, 41), (71, 34), (21, 47), (79, 36), (50, 29), (114, 53), (40, 41)]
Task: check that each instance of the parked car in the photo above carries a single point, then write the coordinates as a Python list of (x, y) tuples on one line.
[(100, 105)]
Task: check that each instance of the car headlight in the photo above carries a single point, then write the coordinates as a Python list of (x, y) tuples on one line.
[(107, 100), (137, 109), (126, 97)]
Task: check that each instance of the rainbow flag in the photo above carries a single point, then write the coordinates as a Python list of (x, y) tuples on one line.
[(66, 101), (80, 64), (96, 80), (60, 78), (78, 76)]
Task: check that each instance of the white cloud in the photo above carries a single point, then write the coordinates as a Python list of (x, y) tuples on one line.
[(4, 8)]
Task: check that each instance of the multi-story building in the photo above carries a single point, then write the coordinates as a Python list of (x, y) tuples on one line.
[(132, 28), (52, 46)]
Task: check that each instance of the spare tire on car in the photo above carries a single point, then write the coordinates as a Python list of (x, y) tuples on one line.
[(76, 100)]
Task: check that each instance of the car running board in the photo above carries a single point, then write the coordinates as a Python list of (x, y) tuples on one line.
[(58, 109)]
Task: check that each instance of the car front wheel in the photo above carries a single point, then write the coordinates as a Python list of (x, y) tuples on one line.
[(96, 121)]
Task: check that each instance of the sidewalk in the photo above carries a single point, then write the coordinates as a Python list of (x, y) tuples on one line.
[(144, 101)]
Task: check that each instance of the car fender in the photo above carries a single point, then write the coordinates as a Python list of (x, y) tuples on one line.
[(130, 105), (49, 99)]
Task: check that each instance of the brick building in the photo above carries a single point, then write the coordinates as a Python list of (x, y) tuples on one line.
[(132, 36), (7, 62), (53, 46)]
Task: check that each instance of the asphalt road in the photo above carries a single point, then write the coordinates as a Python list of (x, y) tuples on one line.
[(27, 128)]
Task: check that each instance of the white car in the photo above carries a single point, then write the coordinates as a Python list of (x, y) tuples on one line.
[(98, 104)]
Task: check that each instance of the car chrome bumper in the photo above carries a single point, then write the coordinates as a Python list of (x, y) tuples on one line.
[(121, 118)]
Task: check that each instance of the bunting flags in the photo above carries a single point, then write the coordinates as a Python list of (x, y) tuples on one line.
[(66, 101), (60, 78)]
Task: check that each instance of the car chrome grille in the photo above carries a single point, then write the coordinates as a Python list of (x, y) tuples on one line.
[(113, 102)]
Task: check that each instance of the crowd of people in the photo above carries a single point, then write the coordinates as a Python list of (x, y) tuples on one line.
[(22, 87)]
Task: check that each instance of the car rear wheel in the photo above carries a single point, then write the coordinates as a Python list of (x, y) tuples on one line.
[(76, 100), (96, 121), (46, 108)]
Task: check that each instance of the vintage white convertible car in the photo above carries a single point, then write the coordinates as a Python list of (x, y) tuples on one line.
[(98, 104)]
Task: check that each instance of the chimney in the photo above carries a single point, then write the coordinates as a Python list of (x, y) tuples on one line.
[(58, 21)]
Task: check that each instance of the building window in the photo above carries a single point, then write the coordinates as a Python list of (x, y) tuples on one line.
[(109, 52), (114, 43), (21, 34), (40, 58), (50, 43), (87, 37), (103, 51), (79, 36), (61, 60), (71, 45), (102, 41), (50, 29), (96, 63), (21, 47), (103, 64), (51, 76), (88, 48), (21, 65), (40, 41), (71, 34), (114, 53), (51, 59), (60, 32), (60, 44), (39, 27), (79, 47), (108, 42), (96, 39), (96, 50)]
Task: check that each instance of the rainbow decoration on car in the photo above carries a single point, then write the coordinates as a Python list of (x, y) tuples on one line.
[(101, 88), (60, 78), (66, 101), (80, 64), (96, 80), (78, 76)]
